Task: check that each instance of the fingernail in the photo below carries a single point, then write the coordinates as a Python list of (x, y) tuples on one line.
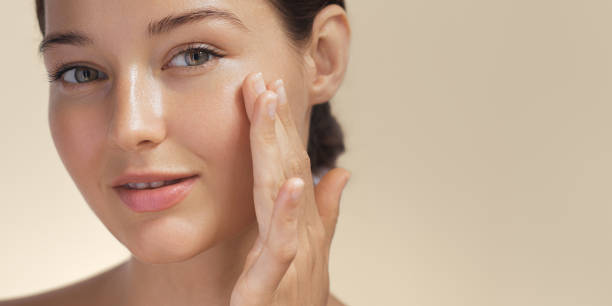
[(282, 94), (272, 106), (260, 85), (297, 187)]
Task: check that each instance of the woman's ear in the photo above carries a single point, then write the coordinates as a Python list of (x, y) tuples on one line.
[(327, 54)]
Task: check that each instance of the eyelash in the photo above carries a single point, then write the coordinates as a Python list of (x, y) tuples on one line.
[(58, 72), (62, 68), (212, 51)]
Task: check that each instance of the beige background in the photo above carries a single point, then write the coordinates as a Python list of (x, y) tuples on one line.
[(478, 133)]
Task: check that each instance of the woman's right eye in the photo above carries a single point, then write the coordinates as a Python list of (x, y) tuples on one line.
[(77, 75)]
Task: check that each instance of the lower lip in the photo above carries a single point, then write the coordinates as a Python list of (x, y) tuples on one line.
[(149, 200)]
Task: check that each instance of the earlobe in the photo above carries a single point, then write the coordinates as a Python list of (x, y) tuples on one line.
[(328, 53)]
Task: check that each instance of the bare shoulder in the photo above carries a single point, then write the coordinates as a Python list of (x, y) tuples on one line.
[(98, 290), (331, 301), (91, 291)]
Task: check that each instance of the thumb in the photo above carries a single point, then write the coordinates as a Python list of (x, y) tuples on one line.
[(327, 195)]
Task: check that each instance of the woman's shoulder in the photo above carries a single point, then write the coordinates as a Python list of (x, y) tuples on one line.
[(84, 292), (93, 291), (63, 296), (80, 294), (52, 297)]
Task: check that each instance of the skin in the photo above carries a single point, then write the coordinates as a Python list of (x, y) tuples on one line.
[(238, 238)]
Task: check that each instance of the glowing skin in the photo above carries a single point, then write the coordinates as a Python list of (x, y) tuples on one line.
[(150, 117)]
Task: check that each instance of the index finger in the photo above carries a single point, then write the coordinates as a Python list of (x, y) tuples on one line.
[(250, 93)]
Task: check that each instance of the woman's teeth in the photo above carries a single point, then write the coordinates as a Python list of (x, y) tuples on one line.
[(152, 184)]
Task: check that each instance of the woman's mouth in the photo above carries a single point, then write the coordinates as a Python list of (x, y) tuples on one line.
[(155, 196), (152, 185)]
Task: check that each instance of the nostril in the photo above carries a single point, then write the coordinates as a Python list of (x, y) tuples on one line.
[(146, 143)]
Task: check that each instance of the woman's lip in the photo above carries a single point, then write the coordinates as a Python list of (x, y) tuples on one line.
[(150, 200), (148, 177)]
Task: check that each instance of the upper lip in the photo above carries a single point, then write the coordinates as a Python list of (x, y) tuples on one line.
[(148, 177)]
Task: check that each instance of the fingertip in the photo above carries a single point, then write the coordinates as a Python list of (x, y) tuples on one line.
[(337, 175), (272, 104), (347, 178), (249, 93), (282, 93), (266, 102), (259, 85), (277, 84), (251, 76), (251, 83)]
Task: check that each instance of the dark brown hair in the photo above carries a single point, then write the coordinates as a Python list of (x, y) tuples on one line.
[(325, 139)]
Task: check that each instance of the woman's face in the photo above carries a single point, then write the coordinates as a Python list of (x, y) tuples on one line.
[(143, 102)]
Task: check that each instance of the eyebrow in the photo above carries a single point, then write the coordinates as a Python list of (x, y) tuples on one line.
[(67, 38), (162, 26), (171, 22)]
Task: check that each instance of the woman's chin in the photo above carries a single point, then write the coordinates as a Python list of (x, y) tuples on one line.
[(169, 242)]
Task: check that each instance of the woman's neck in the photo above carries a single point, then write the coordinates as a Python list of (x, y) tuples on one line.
[(206, 279)]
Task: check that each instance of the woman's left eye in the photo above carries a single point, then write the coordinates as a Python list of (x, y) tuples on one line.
[(192, 57)]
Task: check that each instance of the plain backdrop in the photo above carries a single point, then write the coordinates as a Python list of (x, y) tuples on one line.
[(479, 137)]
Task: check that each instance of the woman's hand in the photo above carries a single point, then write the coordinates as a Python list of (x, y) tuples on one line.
[(288, 264)]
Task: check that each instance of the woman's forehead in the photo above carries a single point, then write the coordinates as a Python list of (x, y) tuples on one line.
[(146, 15)]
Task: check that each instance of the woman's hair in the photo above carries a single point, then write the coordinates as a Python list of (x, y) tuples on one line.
[(326, 139)]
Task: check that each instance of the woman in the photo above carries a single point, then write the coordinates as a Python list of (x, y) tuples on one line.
[(193, 129)]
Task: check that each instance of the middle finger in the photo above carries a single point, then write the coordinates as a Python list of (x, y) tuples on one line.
[(268, 174)]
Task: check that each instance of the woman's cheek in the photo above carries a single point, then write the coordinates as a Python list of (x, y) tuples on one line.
[(77, 130), (210, 120), (212, 125)]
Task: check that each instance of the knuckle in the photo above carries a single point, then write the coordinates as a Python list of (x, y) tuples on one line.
[(294, 165), (312, 248), (266, 181), (246, 293), (285, 252), (270, 188), (299, 162), (267, 137), (316, 233)]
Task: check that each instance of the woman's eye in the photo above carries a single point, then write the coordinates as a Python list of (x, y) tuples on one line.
[(192, 57), (82, 75)]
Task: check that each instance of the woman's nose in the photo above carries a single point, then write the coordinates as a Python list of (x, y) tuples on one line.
[(137, 120)]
